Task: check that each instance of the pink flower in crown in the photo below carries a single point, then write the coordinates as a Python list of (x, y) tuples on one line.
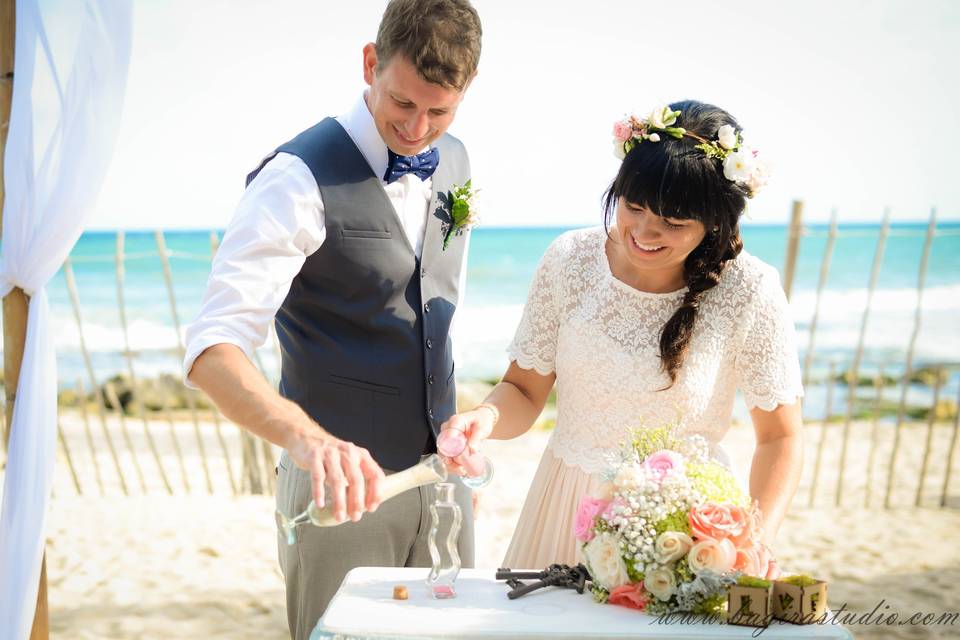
[(622, 131), (631, 595), (588, 510), (717, 521), (664, 463)]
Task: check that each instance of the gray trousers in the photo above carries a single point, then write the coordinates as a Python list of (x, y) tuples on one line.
[(395, 535)]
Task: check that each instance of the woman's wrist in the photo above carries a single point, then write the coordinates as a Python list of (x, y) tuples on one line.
[(492, 409)]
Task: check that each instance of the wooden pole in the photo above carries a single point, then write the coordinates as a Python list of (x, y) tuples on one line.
[(908, 366), (793, 246), (15, 303), (188, 393), (128, 356), (821, 285)]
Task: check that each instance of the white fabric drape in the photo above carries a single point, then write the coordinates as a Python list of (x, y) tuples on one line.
[(51, 187)]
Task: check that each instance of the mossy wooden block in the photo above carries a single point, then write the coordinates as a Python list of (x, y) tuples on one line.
[(749, 606), (799, 603)]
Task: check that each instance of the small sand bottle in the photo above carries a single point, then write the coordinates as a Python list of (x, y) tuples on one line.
[(445, 520)]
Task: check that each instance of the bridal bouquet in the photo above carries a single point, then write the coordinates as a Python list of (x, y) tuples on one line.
[(669, 529)]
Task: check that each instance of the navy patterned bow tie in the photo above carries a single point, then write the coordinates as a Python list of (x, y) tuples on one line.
[(421, 165)]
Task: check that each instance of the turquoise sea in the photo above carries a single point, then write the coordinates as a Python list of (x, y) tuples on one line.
[(501, 264)]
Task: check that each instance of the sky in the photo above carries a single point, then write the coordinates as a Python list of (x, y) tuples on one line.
[(854, 103)]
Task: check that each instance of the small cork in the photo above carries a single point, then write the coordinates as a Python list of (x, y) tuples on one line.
[(400, 592)]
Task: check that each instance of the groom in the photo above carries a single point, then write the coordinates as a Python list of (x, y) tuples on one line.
[(339, 239)]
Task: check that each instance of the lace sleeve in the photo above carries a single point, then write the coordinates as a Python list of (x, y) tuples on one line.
[(768, 366), (534, 345)]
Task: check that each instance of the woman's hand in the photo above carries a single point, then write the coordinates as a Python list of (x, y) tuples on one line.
[(477, 425)]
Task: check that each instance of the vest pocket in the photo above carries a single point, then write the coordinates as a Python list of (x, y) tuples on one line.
[(363, 233), (366, 386)]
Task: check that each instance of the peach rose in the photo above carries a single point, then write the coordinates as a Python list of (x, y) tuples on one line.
[(752, 560), (752, 529), (715, 555), (717, 521), (630, 595)]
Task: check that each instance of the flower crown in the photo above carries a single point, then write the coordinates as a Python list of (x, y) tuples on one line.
[(740, 163)]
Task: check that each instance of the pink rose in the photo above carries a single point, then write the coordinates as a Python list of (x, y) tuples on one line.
[(589, 509), (622, 131), (715, 555), (717, 521), (630, 595), (664, 463)]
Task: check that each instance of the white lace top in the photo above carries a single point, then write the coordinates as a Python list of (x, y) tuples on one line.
[(601, 336)]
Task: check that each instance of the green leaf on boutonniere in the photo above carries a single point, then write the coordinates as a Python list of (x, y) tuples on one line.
[(459, 201)]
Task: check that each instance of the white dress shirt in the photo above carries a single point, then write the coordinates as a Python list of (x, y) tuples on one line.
[(278, 223)]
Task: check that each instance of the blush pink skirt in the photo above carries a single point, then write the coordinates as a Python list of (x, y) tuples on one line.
[(544, 533)]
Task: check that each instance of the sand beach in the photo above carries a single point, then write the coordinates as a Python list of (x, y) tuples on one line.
[(203, 565)]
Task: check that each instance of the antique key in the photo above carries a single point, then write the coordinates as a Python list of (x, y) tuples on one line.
[(556, 575)]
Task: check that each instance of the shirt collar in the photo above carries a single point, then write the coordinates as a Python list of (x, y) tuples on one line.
[(361, 128)]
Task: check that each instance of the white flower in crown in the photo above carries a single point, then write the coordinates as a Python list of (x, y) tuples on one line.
[(727, 137), (739, 165), (662, 117)]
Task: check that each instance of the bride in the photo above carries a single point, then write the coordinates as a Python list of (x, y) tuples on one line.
[(655, 317)]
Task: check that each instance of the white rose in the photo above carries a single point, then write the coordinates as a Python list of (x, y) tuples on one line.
[(605, 562), (473, 215), (618, 149), (728, 136), (656, 118), (672, 545), (661, 583), (739, 166), (716, 555)]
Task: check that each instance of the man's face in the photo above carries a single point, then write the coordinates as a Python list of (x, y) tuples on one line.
[(410, 113)]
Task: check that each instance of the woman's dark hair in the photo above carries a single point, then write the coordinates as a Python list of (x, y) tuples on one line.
[(674, 179)]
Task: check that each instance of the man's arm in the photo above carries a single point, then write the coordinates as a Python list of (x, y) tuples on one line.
[(278, 223), (245, 397)]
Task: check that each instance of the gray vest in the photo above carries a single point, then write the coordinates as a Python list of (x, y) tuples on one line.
[(364, 330)]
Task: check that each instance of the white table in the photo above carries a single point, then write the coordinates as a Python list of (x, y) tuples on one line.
[(364, 608)]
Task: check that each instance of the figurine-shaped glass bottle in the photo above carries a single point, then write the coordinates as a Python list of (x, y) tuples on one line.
[(445, 520)]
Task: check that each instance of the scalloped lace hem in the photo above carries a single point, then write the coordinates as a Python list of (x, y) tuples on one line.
[(528, 362), (771, 401)]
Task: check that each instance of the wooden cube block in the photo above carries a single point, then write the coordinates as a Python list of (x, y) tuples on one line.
[(749, 606), (799, 604)]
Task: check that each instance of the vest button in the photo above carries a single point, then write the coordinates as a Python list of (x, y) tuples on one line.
[(429, 343), (431, 379), (426, 308), (423, 273)]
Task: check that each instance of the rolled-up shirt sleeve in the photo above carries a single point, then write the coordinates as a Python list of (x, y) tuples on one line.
[(278, 223)]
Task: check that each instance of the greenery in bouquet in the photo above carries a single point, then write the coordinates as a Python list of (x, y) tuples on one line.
[(669, 529)]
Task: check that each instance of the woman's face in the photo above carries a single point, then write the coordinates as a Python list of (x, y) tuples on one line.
[(652, 243)]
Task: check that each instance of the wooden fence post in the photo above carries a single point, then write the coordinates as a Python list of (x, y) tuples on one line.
[(793, 246)]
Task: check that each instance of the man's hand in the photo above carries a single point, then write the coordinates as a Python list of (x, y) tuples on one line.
[(353, 477)]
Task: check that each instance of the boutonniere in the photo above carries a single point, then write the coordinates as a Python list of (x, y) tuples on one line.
[(460, 208)]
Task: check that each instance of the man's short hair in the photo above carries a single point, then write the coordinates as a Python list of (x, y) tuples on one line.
[(441, 38)]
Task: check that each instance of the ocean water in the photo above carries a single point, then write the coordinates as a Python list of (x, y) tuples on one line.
[(501, 265)]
